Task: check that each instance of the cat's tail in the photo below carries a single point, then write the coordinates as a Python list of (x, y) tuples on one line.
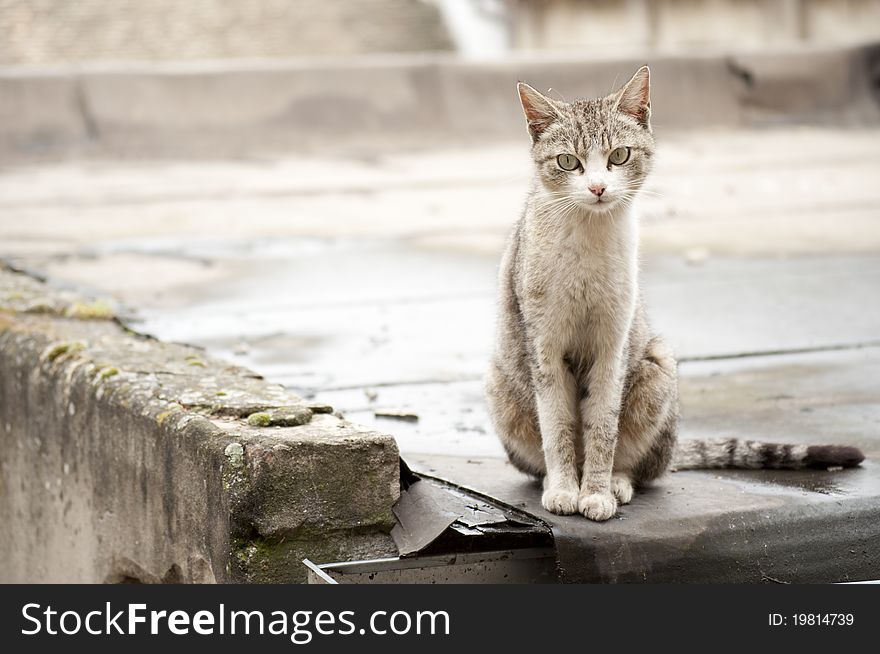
[(694, 454)]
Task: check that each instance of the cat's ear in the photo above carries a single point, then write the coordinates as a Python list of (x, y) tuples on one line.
[(540, 110), (635, 97)]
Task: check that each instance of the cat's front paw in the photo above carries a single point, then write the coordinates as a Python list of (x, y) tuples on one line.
[(598, 506), (622, 488), (560, 502)]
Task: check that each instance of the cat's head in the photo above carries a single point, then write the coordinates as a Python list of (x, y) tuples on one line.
[(593, 154)]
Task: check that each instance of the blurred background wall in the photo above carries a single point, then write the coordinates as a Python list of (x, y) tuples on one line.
[(44, 31), (48, 31), (610, 26)]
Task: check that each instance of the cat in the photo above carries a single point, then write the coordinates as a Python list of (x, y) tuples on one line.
[(579, 389)]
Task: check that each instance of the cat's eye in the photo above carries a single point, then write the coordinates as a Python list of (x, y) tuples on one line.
[(568, 162), (619, 156)]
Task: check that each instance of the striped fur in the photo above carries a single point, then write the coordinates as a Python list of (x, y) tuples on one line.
[(713, 454)]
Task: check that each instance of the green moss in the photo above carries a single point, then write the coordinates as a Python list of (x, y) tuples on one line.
[(162, 417), (172, 409), (39, 307), (260, 560), (63, 348), (196, 362), (106, 373), (320, 408), (57, 351), (220, 393), (283, 416), (235, 453), (259, 420), (279, 560), (97, 310)]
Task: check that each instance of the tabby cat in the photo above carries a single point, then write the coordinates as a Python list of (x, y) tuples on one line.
[(580, 391)]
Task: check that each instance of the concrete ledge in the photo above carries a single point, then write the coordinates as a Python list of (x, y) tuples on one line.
[(128, 459), (222, 108), (40, 111)]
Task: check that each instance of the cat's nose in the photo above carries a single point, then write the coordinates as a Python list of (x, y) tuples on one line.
[(597, 189)]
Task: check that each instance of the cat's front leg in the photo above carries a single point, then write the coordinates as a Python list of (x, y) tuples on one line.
[(600, 411), (556, 394)]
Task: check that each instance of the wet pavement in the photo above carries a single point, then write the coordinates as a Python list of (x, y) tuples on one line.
[(368, 284)]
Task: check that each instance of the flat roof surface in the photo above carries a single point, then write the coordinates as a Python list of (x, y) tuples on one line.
[(368, 284)]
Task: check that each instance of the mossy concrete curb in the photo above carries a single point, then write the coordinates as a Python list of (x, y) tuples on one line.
[(129, 459)]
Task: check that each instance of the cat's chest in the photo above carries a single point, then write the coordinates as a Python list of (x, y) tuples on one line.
[(572, 287), (580, 274)]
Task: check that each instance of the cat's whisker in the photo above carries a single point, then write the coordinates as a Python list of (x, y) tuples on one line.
[(638, 192)]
